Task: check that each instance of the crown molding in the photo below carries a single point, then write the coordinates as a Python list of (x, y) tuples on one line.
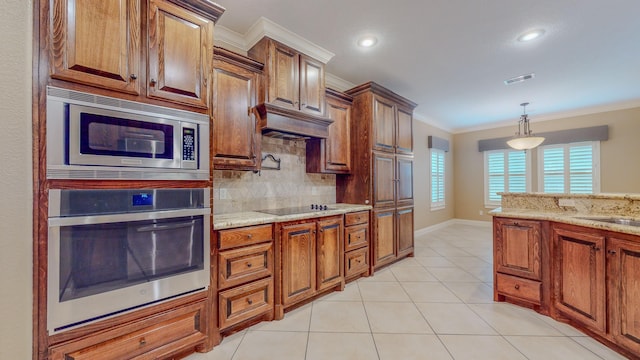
[(337, 83), (225, 37), (422, 118)]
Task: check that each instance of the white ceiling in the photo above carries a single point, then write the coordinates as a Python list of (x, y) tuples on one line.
[(452, 56)]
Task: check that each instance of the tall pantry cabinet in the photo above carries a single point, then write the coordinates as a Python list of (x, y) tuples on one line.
[(382, 169)]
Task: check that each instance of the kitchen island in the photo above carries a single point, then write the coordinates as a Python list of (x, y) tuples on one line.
[(575, 258)]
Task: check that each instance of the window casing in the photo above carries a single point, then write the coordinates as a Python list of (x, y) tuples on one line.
[(505, 171), (437, 179), (569, 168)]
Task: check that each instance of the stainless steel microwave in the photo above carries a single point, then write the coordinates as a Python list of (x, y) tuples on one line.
[(97, 137)]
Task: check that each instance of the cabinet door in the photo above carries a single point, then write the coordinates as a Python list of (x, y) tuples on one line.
[(298, 262), (235, 137), (405, 231), (623, 266), (579, 278), (97, 43), (404, 171), (311, 85), (338, 144), (383, 179), (383, 242), (384, 120), (180, 52), (329, 253), (284, 77), (404, 132), (518, 248)]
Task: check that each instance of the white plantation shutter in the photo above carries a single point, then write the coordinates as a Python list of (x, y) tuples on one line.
[(506, 171), (437, 179), (570, 168)]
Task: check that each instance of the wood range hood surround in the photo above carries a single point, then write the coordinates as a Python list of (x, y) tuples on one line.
[(273, 119)]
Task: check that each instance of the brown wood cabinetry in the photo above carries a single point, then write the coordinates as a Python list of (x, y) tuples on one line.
[(333, 154), (311, 255), (294, 81), (156, 337), (623, 272), (245, 275), (356, 245), (519, 257), (107, 44), (382, 169), (236, 137), (579, 276)]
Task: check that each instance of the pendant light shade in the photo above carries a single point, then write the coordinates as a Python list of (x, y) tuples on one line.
[(524, 140)]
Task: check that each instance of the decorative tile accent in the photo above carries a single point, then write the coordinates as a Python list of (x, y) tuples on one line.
[(238, 191)]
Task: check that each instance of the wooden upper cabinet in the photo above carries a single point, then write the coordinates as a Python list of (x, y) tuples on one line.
[(97, 43), (384, 115), (333, 154), (579, 276), (236, 139), (404, 131), (623, 272), (312, 88), (384, 180), (294, 81), (518, 248), (180, 50)]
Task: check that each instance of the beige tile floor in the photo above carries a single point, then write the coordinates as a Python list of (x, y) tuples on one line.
[(437, 305)]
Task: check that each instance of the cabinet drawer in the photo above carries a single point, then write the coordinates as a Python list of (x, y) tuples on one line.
[(356, 262), (244, 302), (356, 237), (523, 289), (228, 239), (179, 329), (360, 217), (244, 264)]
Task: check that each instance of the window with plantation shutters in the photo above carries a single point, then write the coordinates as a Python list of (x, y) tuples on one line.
[(505, 171), (437, 179), (569, 168)]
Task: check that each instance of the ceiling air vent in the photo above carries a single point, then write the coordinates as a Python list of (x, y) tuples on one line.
[(520, 78)]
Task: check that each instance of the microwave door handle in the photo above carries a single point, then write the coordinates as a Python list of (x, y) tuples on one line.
[(156, 227)]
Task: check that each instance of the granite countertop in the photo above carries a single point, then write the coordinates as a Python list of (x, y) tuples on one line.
[(586, 220), (248, 218)]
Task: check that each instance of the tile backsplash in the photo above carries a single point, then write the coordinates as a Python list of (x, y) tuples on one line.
[(236, 191)]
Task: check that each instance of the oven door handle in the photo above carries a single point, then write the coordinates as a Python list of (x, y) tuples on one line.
[(156, 227), (126, 217)]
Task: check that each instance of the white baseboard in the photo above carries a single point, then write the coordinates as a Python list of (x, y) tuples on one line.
[(451, 222)]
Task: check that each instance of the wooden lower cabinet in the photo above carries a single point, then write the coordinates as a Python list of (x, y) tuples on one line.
[(623, 273), (156, 337), (579, 276), (392, 234), (245, 266), (356, 245), (311, 253)]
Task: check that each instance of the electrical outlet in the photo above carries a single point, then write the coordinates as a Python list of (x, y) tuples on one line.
[(481, 212), (567, 202), (223, 194)]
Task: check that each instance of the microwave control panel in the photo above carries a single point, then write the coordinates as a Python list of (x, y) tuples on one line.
[(188, 144)]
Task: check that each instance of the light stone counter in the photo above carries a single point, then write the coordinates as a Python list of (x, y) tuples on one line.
[(248, 218), (573, 209)]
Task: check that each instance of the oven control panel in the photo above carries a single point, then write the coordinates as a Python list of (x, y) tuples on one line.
[(188, 144)]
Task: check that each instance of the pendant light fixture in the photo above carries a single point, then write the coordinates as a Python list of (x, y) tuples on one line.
[(524, 140)]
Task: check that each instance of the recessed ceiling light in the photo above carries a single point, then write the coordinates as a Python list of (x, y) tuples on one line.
[(530, 35), (367, 41)]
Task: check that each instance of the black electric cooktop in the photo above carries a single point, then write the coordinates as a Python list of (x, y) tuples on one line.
[(295, 210)]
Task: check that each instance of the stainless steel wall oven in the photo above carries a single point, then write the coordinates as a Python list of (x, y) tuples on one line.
[(111, 251)]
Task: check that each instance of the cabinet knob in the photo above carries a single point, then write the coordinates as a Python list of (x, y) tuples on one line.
[(143, 342), (517, 287), (152, 82), (249, 236), (249, 301), (133, 76), (248, 265), (612, 252)]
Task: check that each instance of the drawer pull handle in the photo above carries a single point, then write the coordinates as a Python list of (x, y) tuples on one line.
[(143, 342), (248, 265), (249, 301), (517, 286), (249, 236)]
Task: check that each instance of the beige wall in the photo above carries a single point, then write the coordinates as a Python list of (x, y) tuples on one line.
[(618, 164), (15, 180), (423, 216)]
